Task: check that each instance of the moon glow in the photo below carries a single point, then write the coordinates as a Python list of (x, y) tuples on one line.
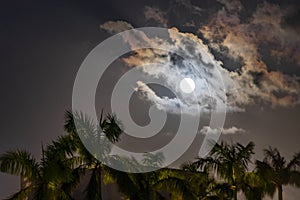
[(187, 85)]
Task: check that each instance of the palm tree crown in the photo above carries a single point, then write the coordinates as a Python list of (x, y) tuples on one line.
[(230, 162), (276, 171)]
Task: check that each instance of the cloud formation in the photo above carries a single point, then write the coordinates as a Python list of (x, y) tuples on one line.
[(185, 56), (154, 13), (242, 40), (232, 37), (114, 27), (175, 12), (226, 131)]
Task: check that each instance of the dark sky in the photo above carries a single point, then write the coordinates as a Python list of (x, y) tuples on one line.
[(43, 43), (42, 46)]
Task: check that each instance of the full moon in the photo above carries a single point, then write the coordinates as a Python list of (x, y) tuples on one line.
[(187, 85)]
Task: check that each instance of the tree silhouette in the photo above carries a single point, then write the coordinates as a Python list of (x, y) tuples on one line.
[(229, 162), (53, 177), (277, 172)]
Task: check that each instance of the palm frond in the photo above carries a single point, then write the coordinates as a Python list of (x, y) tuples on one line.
[(294, 178), (20, 163), (295, 162), (125, 182), (111, 127), (176, 185)]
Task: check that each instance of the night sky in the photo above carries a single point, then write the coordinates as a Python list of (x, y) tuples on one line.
[(43, 43)]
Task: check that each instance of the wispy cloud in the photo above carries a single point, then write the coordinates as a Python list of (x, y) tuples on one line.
[(154, 13), (177, 9), (114, 27), (226, 131)]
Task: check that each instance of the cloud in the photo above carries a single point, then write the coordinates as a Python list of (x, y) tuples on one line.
[(231, 5), (187, 5), (163, 103), (175, 11), (154, 13), (114, 27), (232, 38), (240, 40), (197, 63), (232, 130), (269, 23), (226, 131)]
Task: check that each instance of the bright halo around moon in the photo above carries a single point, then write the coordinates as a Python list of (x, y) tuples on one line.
[(187, 85)]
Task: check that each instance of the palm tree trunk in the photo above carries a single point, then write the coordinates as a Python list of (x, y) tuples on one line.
[(235, 191), (279, 188), (235, 195)]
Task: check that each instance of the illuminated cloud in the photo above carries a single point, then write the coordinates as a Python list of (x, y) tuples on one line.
[(226, 131), (232, 38), (253, 83), (163, 103), (199, 64), (232, 130), (114, 27)]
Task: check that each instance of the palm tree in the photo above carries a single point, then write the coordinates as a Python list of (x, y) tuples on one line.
[(277, 172), (179, 184), (63, 162), (138, 186), (200, 184), (53, 177), (73, 144), (230, 163), (254, 187), (23, 164)]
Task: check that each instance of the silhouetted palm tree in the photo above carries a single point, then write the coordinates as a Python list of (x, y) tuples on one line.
[(136, 186), (200, 184), (139, 186), (254, 187), (217, 177), (64, 161), (53, 177), (93, 136), (230, 162), (277, 172)]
